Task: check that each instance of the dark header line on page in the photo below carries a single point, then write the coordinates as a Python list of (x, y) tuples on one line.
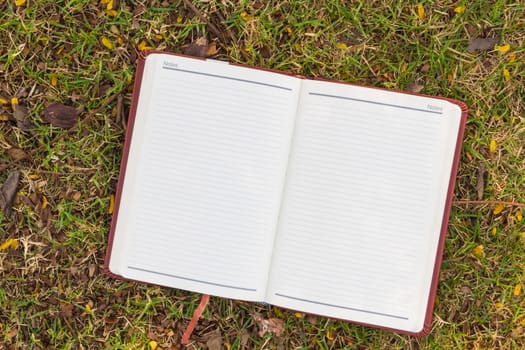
[(229, 78), (191, 279)]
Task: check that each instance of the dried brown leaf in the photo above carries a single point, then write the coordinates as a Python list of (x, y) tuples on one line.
[(480, 184), (414, 87), (60, 115), (21, 116), (424, 68), (198, 48), (17, 154), (8, 193), (215, 340), (481, 44), (211, 50), (270, 325), (66, 310)]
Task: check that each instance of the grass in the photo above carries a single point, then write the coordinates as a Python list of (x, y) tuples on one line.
[(53, 293)]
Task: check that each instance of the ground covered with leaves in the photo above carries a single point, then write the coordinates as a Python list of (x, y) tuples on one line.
[(67, 69)]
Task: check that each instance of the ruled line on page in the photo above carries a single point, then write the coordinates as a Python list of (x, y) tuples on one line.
[(342, 307), (228, 78), (192, 279), (375, 103)]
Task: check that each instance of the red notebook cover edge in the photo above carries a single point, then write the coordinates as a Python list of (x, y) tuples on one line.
[(124, 160)]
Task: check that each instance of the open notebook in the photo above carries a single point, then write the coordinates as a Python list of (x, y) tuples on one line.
[(317, 196)]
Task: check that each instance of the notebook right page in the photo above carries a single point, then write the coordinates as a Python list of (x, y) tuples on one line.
[(363, 204)]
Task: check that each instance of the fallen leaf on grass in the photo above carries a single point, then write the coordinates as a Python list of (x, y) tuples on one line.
[(481, 44), (420, 11), (107, 43), (215, 340), (10, 243), (414, 87), (212, 50), (492, 146), (478, 252), (480, 184), (460, 9), (22, 119), (271, 325), (66, 310), (197, 48), (517, 290), (503, 48), (17, 154), (60, 115), (8, 193), (506, 74), (498, 209)]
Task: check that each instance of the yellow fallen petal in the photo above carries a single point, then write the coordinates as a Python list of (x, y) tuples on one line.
[(179, 19), (143, 45), (104, 1), (499, 208), (329, 335), (14, 102), (494, 231), (109, 6), (506, 74), (341, 46), (3, 101), (512, 57), (10, 243), (120, 41), (498, 305), (88, 308), (107, 43), (420, 11), (460, 9), (20, 2), (3, 118), (492, 146), (152, 345), (299, 315), (517, 290), (54, 81), (478, 251), (503, 48), (44, 202), (111, 204), (111, 13), (245, 16), (519, 216)]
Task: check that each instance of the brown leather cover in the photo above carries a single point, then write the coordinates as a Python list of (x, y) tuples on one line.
[(448, 204)]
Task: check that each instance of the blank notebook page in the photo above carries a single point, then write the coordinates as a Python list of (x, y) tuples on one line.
[(205, 175), (358, 230)]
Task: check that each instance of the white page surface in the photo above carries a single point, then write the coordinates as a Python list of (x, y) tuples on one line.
[(363, 204), (204, 177)]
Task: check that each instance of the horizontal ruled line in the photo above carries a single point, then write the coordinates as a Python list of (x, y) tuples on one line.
[(342, 307), (191, 279), (375, 103), (228, 78)]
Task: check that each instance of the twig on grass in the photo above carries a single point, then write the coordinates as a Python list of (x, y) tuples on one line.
[(212, 26), (475, 202)]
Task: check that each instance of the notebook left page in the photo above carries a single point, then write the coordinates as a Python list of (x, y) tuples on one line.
[(204, 176)]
